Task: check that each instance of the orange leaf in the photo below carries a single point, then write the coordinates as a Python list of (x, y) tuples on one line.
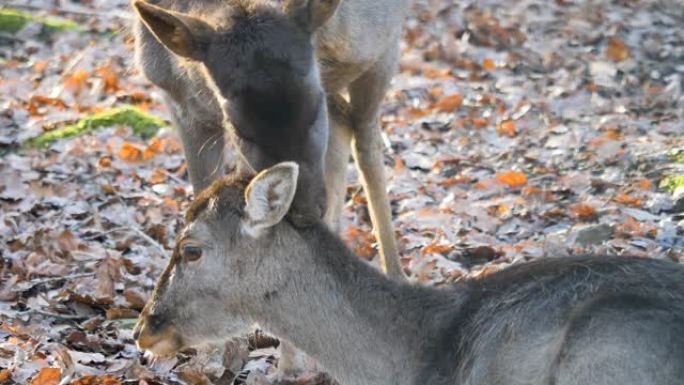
[(130, 152), (645, 184), (488, 64), (512, 178), (5, 375), (109, 77), (76, 81), (107, 379), (627, 199), (617, 50), (156, 146), (480, 122), (399, 164), (450, 103), (47, 376), (436, 248), (583, 210), (506, 127)]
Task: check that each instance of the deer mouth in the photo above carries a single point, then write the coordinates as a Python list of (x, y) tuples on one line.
[(162, 343)]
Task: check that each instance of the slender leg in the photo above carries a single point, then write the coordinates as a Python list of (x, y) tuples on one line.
[(337, 159), (366, 95)]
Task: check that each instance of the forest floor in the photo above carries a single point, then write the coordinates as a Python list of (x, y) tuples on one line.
[(514, 130)]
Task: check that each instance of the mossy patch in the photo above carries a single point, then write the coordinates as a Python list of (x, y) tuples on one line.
[(141, 122), (676, 155), (672, 182), (13, 20)]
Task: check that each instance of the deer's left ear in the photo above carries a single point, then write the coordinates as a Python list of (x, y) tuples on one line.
[(184, 35), (269, 197)]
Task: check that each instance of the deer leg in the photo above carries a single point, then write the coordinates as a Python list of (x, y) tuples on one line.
[(203, 145), (366, 94), (337, 159)]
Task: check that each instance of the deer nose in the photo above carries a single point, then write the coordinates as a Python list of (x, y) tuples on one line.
[(151, 322)]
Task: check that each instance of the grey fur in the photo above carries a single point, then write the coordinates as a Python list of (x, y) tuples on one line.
[(554, 321), (262, 69)]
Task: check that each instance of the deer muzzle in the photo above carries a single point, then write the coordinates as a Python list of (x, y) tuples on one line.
[(160, 338)]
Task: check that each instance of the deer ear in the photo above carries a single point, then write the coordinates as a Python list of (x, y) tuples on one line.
[(269, 197), (311, 14), (184, 35)]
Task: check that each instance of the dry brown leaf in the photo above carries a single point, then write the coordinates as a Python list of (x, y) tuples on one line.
[(506, 127), (436, 248), (121, 312), (107, 379), (109, 77), (77, 80), (489, 64), (450, 103), (130, 152), (617, 50), (627, 199), (47, 376), (512, 178), (583, 211)]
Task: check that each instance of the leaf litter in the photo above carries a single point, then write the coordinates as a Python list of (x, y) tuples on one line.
[(513, 131)]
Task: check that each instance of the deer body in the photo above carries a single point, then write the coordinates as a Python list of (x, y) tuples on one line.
[(566, 321), (265, 73)]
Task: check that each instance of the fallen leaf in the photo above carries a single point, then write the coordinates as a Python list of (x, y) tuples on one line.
[(512, 178), (130, 152), (583, 211), (488, 64), (627, 199), (506, 128), (450, 103), (436, 248), (109, 77), (617, 50), (47, 376), (107, 379), (76, 81)]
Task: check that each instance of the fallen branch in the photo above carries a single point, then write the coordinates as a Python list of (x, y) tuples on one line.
[(27, 285)]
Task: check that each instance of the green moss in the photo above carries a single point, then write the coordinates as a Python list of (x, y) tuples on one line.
[(141, 122), (676, 155), (13, 20), (671, 182)]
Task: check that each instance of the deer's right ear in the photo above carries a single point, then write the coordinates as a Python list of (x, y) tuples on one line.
[(311, 14), (184, 35), (269, 197)]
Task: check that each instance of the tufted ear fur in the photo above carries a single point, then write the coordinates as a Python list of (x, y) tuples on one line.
[(184, 35), (311, 14), (269, 196)]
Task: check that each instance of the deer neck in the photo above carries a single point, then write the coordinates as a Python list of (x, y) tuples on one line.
[(361, 326)]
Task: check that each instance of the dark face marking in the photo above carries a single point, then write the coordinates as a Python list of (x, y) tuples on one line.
[(263, 67)]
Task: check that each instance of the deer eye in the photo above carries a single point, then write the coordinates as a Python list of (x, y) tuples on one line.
[(191, 253)]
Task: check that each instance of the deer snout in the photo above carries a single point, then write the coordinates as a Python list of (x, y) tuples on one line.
[(155, 333)]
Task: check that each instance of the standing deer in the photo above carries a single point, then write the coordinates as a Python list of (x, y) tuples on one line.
[(267, 72), (560, 321)]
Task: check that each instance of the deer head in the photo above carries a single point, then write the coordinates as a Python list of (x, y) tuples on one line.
[(259, 61), (229, 258)]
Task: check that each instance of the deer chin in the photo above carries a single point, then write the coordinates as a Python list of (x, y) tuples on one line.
[(161, 344)]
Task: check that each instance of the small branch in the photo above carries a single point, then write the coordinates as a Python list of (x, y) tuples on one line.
[(150, 240), (26, 285), (67, 317)]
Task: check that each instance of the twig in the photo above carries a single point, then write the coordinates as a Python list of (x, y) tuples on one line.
[(150, 240), (67, 317), (26, 285)]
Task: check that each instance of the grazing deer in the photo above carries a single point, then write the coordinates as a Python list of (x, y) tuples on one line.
[(560, 321), (266, 72)]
